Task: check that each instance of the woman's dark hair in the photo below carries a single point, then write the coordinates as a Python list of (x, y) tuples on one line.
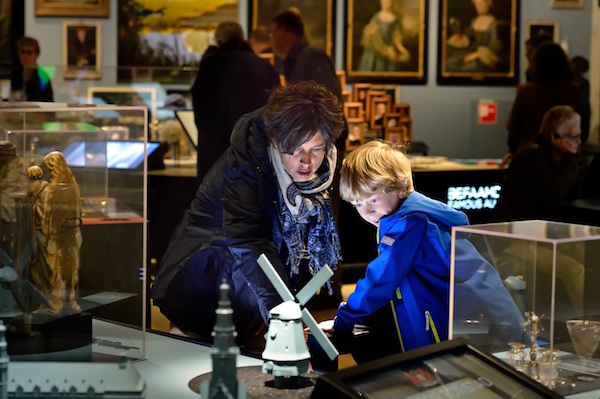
[(550, 63), (297, 111)]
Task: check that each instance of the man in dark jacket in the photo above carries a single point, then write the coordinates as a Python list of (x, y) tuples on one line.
[(301, 60), (231, 81)]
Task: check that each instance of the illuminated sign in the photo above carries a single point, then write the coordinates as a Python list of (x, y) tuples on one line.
[(472, 197)]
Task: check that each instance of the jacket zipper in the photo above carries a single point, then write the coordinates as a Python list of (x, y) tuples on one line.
[(430, 324)]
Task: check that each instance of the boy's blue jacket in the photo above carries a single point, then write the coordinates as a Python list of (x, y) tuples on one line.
[(413, 270)]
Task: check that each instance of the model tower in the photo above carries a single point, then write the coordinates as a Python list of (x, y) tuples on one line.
[(224, 383)]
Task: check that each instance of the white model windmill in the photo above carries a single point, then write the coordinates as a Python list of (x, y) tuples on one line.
[(286, 355)]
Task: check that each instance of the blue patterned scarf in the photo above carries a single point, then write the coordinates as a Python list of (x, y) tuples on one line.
[(308, 227)]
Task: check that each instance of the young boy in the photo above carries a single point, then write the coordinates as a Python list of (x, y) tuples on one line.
[(404, 296)]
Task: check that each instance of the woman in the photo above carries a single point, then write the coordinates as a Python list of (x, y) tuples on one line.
[(382, 42), (267, 194), (543, 170), (477, 48)]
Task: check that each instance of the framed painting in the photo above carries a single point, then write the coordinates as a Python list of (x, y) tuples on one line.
[(341, 74), (397, 134), (12, 15), (317, 15), (379, 107), (354, 109), (356, 133), (82, 51), (359, 92), (391, 119), (542, 27), (72, 8), (369, 101), (386, 41), (403, 109), (568, 4), (166, 40), (478, 42), (346, 96)]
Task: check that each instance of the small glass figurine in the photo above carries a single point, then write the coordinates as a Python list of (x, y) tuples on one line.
[(516, 355)]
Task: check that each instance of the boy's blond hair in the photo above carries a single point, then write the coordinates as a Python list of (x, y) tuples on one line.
[(378, 166)]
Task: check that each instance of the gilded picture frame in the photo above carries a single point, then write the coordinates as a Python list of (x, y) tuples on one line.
[(82, 50), (317, 15), (72, 8), (399, 55), (566, 4), (550, 27), (356, 133), (478, 42)]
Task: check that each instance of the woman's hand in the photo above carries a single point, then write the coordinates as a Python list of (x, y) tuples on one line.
[(326, 325)]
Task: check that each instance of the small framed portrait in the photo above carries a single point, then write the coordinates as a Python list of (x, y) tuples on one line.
[(568, 4), (346, 96), (356, 133), (81, 50), (401, 133), (403, 109), (369, 102), (360, 91), (341, 74), (379, 107), (542, 27), (477, 42), (72, 8), (391, 119), (354, 109), (386, 41), (396, 134)]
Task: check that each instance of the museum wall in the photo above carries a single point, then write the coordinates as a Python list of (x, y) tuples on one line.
[(444, 117)]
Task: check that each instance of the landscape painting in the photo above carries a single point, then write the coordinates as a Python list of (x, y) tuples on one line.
[(164, 40)]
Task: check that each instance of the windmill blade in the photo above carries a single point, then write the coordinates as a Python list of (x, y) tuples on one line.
[(275, 279), (314, 284), (319, 335)]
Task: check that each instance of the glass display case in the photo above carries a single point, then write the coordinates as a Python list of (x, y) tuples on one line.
[(73, 221), (548, 272)]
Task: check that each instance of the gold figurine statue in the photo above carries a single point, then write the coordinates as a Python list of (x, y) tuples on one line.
[(57, 236)]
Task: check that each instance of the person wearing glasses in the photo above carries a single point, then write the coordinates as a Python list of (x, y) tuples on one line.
[(29, 82), (546, 169), (552, 84)]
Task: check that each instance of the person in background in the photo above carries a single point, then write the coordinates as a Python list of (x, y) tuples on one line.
[(543, 170), (28, 81), (299, 59), (269, 193), (552, 85), (580, 67), (404, 295), (530, 45), (231, 81), (260, 40)]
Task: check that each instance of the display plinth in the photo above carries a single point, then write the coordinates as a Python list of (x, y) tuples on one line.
[(550, 270), (51, 333)]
